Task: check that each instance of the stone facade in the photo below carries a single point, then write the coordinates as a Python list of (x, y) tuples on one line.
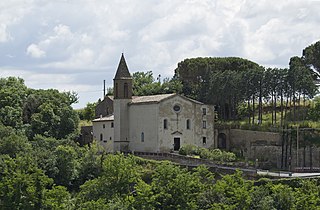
[(156, 123), (271, 150), (105, 107)]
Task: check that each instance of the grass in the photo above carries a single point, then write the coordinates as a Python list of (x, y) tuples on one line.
[(84, 123)]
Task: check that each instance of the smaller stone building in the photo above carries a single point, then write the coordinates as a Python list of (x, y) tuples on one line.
[(104, 107)]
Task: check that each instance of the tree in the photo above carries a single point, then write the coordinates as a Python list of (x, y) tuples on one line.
[(215, 81), (118, 177), (145, 84), (310, 56), (261, 198), (14, 144), (307, 195), (283, 196), (67, 165), (12, 94), (57, 198), (54, 120), (22, 184), (174, 188), (88, 113), (232, 191)]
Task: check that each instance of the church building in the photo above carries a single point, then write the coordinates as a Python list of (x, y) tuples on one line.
[(154, 123)]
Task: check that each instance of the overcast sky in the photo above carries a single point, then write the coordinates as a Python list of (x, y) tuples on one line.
[(73, 45)]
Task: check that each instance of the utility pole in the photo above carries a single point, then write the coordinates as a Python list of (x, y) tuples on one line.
[(104, 89), (297, 145)]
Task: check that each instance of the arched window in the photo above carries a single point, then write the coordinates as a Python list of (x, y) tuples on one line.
[(142, 137), (188, 124), (204, 124), (165, 124), (101, 136), (125, 90)]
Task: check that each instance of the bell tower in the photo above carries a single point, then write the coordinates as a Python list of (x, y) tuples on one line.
[(122, 89), (122, 82)]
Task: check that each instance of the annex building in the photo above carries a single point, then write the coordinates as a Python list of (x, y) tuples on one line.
[(154, 123)]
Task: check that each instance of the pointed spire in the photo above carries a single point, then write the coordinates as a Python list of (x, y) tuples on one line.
[(122, 71)]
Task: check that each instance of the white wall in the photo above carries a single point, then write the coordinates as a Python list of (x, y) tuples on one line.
[(107, 133), (121, 124), (143, 119)]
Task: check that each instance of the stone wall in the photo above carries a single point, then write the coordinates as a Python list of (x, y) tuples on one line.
[(271, 150), (105, 107), (85, 135)]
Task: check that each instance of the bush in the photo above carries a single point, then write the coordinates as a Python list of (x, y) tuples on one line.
[(228, 156), (205, 153), (188, 149), (210, 154)]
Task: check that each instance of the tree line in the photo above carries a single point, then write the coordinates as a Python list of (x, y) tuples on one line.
[(45, 112), (46, 173), (241, 88)]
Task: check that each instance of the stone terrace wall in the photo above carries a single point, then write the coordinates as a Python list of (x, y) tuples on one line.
[(267, 148), (256, 145)]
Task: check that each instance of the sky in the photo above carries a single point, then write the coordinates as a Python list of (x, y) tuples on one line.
[(73, 45)]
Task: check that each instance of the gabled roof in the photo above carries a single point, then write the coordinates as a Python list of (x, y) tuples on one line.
[(122, 71), (158, 98), (151, 98), (106, 118)]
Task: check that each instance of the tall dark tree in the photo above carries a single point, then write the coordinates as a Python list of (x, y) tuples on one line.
[(310, 56)]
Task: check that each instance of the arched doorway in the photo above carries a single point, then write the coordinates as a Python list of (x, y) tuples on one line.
[(222, 141)]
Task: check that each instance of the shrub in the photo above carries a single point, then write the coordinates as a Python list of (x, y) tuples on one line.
[(188, 149), (210, 154)]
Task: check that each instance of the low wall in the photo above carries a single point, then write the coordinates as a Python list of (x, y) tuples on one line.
[(268, 150), (263, 147)]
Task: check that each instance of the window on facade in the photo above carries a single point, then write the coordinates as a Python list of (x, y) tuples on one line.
[(204, 140), (188, 124), (204, 124), (112, 125), (104, 125), (204, 111), (110, 138), (142, 137), (165, 124), (101, 136), (125, 89), (177, 108)]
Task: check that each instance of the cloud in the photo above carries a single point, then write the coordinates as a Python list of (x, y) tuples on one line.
[(34, 51), (80, 41), (4, 35)]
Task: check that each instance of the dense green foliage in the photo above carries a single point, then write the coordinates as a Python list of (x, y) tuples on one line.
[(88, 113), (241, 89), (41, 167), (210, 154), (46, 173), (144, 84), (45, 112)]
